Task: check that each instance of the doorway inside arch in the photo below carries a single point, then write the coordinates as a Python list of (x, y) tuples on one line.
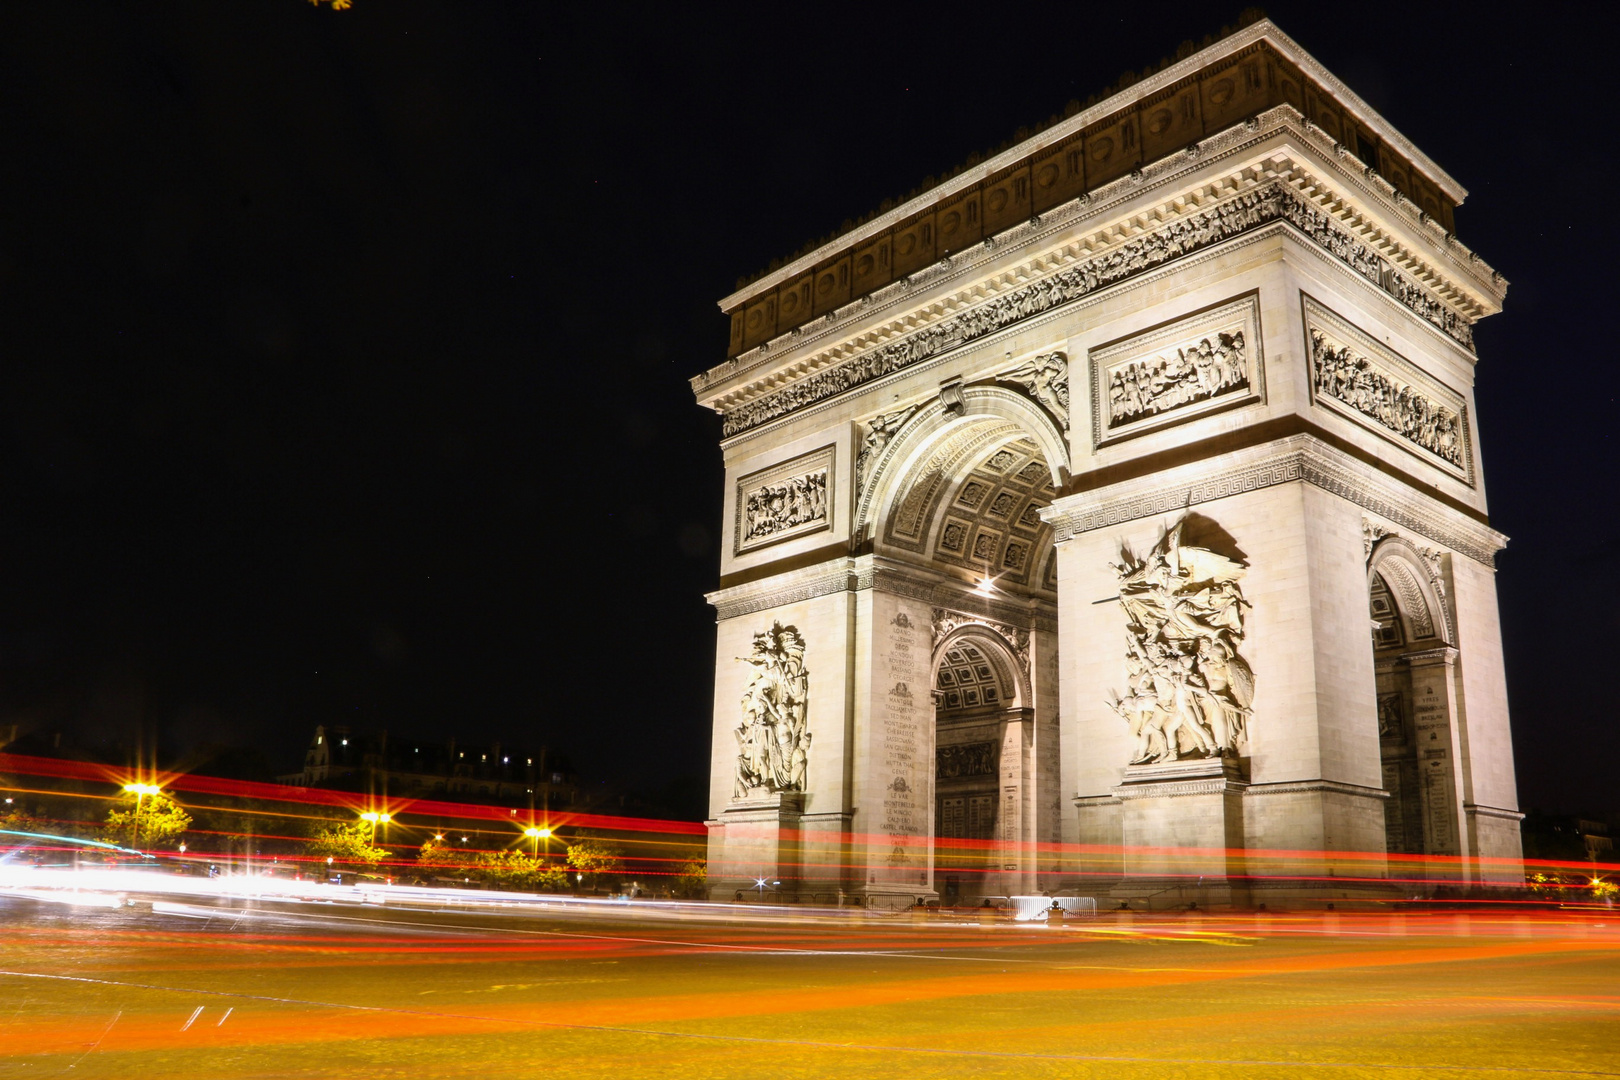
[(983, 742)]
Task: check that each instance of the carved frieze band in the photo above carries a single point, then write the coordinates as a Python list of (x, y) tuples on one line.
[(786, 500), (1194, 365), (1356, 376), (1300, 458), (1251, 210), (969, 759)]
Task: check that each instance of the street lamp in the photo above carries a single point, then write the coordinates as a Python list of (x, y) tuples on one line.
[(537, 835), (373, 817), (140, 791)]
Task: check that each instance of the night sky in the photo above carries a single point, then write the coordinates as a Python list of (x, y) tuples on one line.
[(343, 355)]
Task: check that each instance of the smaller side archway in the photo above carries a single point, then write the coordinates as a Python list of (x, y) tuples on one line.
[(984, 838), (1414, 663)]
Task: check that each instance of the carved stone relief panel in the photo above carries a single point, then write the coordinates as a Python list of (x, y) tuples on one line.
[(968, 759), (1189, 690), (1177, 371), (789, 499), (1357, 376), (773, 745)]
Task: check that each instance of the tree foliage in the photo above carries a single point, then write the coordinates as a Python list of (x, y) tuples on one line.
[(350, 846), (145, 821), (692, 880)]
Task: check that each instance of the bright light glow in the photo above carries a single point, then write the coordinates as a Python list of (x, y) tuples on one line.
[(987, 587), (536, 834), (142, 789), (374, 817)]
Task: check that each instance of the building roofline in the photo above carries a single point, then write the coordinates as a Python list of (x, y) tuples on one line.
[(1261, 30)]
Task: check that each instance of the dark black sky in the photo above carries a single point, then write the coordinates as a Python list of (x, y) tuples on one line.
[(343, 356)]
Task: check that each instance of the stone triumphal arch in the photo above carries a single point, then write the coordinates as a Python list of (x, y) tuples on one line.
[(1110, 516)]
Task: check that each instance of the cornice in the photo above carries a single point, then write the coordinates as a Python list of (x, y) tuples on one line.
[(1349, 212), (1262, 30), (778, 590), (1298, 457)]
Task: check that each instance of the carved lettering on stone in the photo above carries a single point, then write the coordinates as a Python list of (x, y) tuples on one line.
[(1188, 689), (1357, 377), (773, 746), (786, 500), (1046, 377), (1182, 236)]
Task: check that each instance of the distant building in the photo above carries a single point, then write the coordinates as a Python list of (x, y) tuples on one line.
[(378, 764)]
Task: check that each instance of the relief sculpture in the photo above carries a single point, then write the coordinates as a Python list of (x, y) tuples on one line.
[(971, 759), (1199, 371), (1189, 690), (1180, 237), (879, 430), (1046, 377), (1342, 374), (777, 508), (773, 746)]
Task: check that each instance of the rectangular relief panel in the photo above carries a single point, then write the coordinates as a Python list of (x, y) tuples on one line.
[(1362, 379), (1192, 366), (789, 499)]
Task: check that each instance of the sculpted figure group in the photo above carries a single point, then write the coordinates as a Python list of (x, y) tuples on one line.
[(1159, 383), (1188, 689), (1352, 379), (773, 747), (775, 508)]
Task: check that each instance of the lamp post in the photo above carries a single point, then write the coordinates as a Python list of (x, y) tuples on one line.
[(536, 835), (140, 791), (373, 818)]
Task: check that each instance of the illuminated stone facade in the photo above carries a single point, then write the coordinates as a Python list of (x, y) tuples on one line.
[(1080, 481)]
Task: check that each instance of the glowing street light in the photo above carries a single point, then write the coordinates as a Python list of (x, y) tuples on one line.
[(536, 835), (140, 791), (372, 817)]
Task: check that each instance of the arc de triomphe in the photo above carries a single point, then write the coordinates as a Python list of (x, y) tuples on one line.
[(1109, 516)]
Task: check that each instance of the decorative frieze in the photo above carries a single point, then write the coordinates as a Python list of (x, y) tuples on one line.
[(1182, 236), (1356, 376), (1177, 371), (786, 500), (969, 759)]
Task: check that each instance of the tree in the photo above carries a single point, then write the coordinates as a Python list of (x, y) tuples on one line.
[(516, 870), (145, 821), (692, 880), (594, 857), (349, 847)]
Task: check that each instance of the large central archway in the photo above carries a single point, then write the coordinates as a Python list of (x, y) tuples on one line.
[(951, 511)]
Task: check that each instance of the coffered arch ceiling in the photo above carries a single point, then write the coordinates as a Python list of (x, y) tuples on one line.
[(977, 509)]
